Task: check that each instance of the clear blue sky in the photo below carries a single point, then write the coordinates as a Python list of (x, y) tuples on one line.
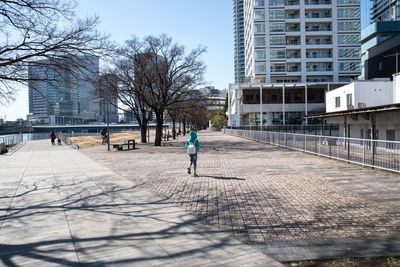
[(189, 22)]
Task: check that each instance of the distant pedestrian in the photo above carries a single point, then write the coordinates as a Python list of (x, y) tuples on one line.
[(192, 146), (53, 137), (59, 139), (104, 136)]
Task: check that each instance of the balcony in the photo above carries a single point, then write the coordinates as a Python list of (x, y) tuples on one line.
[(292, 27)]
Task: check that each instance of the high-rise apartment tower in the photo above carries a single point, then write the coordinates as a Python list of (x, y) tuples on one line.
[(306, 46)]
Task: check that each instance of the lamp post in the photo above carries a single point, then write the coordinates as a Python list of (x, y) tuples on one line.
[(108, 126)]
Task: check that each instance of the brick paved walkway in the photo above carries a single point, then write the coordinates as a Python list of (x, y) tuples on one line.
[(289, 204)]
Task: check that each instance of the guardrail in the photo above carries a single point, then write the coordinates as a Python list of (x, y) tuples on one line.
[(10, 140), (373, 153)]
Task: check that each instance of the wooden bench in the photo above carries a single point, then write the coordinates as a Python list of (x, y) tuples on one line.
[(130, 144)]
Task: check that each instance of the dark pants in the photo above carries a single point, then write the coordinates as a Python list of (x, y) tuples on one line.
[(193, 160)]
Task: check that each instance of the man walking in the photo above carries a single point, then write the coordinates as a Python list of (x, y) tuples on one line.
[(192, 147)]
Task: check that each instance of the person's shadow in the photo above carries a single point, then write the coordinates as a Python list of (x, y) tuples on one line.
[(221, 177)]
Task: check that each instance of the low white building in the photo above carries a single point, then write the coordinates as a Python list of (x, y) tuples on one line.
[(360, 94), (365, 107)]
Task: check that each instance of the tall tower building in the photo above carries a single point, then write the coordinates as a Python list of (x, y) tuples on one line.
[(238, 32), (385, 10), (295, 50)]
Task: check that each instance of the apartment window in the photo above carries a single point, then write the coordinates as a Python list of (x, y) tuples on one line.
[(349, 99), (260, 68), (349, 38), (349, 26), (278, 67), (259, 28), (259, 3), (277, 40), (277, 14), (259, 41), (278, 53), (349, 66), (277, 27), (348, 2), (259, 14), (349, 12), (337, 102), (259, 54), (349, 52), (277, 3)]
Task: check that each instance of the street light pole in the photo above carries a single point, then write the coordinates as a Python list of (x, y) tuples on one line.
[(108, 127)]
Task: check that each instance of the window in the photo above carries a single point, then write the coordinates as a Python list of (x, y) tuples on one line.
[(349, 100), (259, 41), (259, 28), (349, 39), (346, 2), (259, 14), (390, 135), (349, 12), (349, 52), (277, 3), (259, 3), (260, 68), (279, 67), (259, 54), (278, 53), (337, 102), (350, 66), (277, 40), (349, 26), (277, 14), (277, 27)]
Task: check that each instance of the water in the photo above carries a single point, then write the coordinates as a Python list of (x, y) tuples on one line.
[(13, 139)]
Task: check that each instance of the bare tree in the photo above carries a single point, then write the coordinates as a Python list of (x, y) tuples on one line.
[(164, 75), (30, 35), (127, 93)]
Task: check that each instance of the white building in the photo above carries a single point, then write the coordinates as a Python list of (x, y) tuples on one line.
[(299, 45), (365, 107), (360, 94)]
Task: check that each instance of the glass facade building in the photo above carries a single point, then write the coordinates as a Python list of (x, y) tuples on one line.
[(57, 89)]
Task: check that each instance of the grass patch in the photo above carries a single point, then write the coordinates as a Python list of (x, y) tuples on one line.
[(91, 141), (354, 262)]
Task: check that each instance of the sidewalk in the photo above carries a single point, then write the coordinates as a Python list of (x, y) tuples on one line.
[(59, 207)]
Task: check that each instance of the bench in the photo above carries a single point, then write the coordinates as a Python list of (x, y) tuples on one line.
[(130, 144)]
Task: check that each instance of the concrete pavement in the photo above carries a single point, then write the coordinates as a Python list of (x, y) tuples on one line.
[(60, 208)]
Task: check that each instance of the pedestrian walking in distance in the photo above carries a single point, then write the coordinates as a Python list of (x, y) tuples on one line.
[(53, 138), (192, 148)]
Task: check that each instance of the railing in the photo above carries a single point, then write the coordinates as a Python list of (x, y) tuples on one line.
[(8, 141), (373, 153)]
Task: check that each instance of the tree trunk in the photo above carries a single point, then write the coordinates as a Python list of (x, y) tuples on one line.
[(184, 127), (159, 128), (143, 133), (173, 128), (143, 128)]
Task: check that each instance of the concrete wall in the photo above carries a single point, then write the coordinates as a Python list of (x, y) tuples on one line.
[(370, 93), (362, 123)]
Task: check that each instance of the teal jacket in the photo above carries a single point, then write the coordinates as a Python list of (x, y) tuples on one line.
[(193, 139)]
